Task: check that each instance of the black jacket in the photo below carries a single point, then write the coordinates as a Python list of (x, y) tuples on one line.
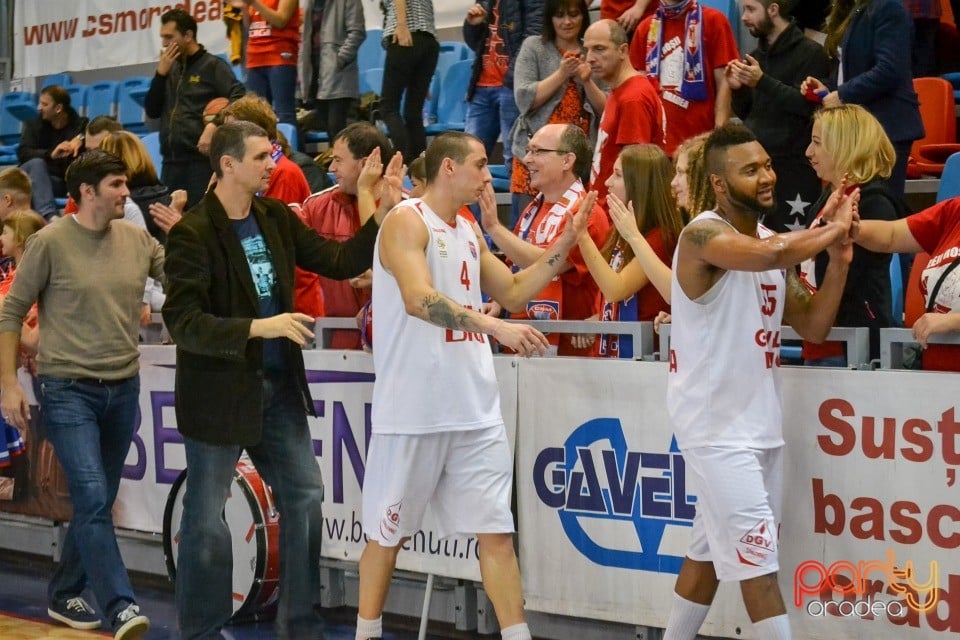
[(866, 299), (179, 98), (775, 110), (518, 19), (876, 68), (38, 138), (211, 301), (145, 195)]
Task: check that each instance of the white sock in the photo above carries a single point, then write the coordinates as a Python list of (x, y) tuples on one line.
[(367, 629), (775, 628), (685, 620), (516, 632)]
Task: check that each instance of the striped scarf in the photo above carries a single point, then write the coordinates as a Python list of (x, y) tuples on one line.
[(693, 85)]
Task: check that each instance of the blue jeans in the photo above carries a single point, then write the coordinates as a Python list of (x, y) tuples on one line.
[(493, 111), (284, 458), (277, 85), (46, 188), (90, 426)]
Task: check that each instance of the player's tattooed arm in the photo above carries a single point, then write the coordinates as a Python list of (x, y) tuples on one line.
[(700, 234), (444, 312), (796, 291)]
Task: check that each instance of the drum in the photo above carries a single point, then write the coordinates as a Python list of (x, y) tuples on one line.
[(254, 526)]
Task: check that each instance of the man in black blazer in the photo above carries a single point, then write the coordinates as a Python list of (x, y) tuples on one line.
[(240, 381)]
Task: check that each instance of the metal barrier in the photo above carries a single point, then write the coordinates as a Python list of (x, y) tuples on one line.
[(857, 341), (893, 341)]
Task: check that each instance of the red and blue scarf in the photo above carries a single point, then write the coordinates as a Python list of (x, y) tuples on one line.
[(693, 86)]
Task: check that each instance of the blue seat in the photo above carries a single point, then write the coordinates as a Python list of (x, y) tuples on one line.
[(459, 49), (371, 53), (102, 99), (954, 79), (445, 60), (62, 79), (371, 80), (132, 94), (290, 133), (21, 105), (950, 179), (315, 137), (152, 142), (10, 125), (896, 290), (451, 101), (78, 97)]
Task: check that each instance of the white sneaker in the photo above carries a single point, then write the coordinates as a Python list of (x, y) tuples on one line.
[(129, 624)]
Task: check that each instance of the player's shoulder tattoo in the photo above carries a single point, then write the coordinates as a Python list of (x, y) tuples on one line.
[(702, 232)]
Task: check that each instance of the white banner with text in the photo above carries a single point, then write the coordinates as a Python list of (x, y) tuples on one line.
[(870, 528)]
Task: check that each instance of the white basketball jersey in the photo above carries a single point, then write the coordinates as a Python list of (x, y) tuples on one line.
[(429, 378), (724, 383)]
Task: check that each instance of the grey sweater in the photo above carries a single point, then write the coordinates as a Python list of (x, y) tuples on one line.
[(89, 289), (537, 60)]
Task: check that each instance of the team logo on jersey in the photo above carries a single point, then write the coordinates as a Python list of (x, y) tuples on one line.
[(390, 522), (441, 247), (595, 476), (473, 249)]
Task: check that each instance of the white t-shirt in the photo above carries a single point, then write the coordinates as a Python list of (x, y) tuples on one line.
[(724, 383), (432, 379)]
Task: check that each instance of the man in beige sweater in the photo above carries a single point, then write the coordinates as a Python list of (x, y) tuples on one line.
[(88, 272)]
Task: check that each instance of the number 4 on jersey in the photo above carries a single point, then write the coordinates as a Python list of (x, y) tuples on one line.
[(465, 276)]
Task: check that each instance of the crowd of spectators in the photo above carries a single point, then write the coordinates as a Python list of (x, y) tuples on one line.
[(608, 118), (647, 75)]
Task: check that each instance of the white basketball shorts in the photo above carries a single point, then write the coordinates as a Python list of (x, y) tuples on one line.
[(465, 476), (739, 505)]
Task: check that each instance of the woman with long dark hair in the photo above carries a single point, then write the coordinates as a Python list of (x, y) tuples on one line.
[(632, 269)]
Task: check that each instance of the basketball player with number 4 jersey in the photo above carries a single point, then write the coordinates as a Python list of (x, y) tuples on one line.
[(733, 283), (438, 434)]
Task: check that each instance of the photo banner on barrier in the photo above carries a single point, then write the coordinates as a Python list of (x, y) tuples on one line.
[(603, 496), (870, 529)]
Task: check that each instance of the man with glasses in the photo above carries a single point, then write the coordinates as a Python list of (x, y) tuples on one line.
[(557, 156), (633, 113)]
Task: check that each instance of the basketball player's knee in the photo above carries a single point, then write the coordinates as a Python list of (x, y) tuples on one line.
[(763, 581)]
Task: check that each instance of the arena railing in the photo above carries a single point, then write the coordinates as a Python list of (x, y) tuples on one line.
[(856, 339), (893, 341)]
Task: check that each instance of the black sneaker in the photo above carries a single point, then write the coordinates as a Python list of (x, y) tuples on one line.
[(75, 613), (129, 624)]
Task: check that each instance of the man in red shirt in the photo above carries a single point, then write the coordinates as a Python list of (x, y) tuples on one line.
[(556, 156), (683, 49), (633, 113), (339, 212)]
